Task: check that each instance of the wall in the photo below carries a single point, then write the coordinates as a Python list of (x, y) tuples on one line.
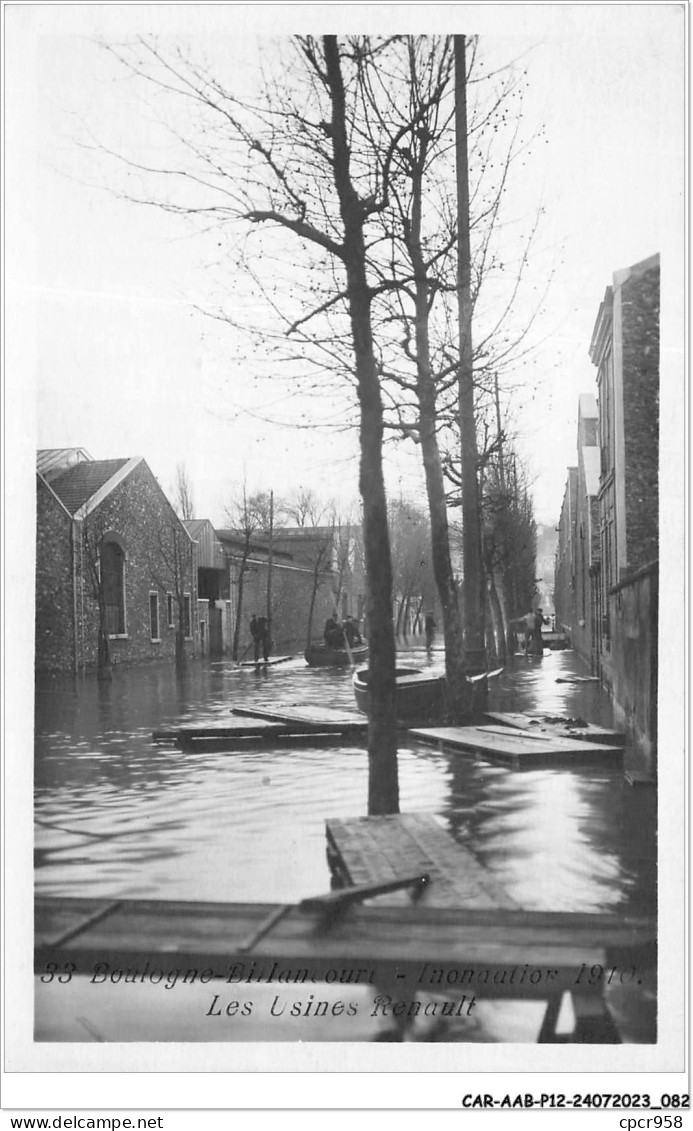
[(640, 328), (630, 671), (55, 616), (585, 551), (564, 581), (291, 594)]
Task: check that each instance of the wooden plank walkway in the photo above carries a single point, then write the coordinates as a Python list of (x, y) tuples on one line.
[(311, 716), (467, 946), (250, 728), (375, 849), (509, 745), (535, 722), (371, 849)]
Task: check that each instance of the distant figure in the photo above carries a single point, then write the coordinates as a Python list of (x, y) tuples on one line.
[(532, 623), (334, 634), (263, 638), (539, 621), (352, 633), (254, 632), (430, 630)]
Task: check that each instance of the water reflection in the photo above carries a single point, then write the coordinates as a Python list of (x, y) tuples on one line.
[(119, 815)]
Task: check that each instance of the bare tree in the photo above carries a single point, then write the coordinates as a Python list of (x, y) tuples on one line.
[(93, 530), (414, 583), (184, 501), (172, 570), (319, 562), (337, 152), (246, 517), (303, 508)]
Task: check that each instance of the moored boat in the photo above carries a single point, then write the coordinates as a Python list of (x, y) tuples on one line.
[(324, 656), (420, 696)]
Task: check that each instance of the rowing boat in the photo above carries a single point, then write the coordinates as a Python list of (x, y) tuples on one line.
[(323, 656), (420, 695)]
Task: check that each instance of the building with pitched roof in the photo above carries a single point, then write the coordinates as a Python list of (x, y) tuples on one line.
[(116, 576)]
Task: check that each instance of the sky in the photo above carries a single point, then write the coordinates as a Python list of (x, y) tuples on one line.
[(106, 349)]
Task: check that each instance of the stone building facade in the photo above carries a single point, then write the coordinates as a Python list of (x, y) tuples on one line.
[(109, 544), (625, 350), (564, 578), (578, 541), (607, 569)]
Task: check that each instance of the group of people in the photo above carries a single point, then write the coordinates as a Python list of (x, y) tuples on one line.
[(346, 634), (260, 632)]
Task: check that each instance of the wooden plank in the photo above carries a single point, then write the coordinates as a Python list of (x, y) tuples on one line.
[(240, 732), (313, 716), (638, 778), (537, 723), (371, 849), (506, 744), (422, 947)]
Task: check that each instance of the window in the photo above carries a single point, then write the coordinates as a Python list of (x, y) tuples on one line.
[(154, 616), (113, 581), (169, 610), (186, 616)]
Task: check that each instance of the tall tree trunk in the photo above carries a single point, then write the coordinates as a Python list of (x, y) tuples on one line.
[(494, 605), (457, 688), (407, 615), (383, 787), (471, 525), (311, 610), (239, 611)]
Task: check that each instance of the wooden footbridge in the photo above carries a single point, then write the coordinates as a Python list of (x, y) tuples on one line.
[(517, 747), (513, 738), (456, 931), (251, 728), (553, 950)]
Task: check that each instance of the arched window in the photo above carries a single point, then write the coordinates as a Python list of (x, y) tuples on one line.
[(113, 580)]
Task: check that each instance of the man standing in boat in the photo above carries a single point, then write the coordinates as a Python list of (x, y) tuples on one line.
[(351, 632)]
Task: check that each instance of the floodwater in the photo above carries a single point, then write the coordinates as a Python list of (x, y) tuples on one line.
[(120, 815)]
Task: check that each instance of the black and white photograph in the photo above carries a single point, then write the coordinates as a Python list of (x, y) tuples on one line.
[(345, 437)]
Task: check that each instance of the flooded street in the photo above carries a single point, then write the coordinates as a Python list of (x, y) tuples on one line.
[(120, 815)]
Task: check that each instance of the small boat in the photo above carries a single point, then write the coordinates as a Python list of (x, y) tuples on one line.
[(555, 641), (420, 695), (324, 656)]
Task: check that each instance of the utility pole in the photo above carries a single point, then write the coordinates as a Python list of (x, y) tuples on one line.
[(269, 561), (473, 586)]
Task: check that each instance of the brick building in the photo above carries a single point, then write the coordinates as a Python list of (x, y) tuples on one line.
[(625, 350), (213, 591), (577, 555), (564, 579), (607, 571), (110, 552)]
